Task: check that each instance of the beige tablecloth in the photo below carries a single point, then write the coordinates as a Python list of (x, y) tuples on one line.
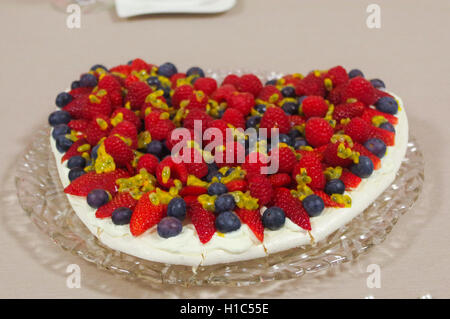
[(40, 56)]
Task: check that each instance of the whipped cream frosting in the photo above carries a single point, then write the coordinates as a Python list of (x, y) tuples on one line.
[(186, 248)]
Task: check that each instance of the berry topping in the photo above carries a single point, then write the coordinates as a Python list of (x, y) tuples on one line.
[(121, 216), (376, 147), (169, 227), (62, 99), (273, 218), (59, 117), (363, 168), (227, 222), (75, 173), (177, 208), (97, 198), (224, 202), (334, 186), (76, 161), (387, 105), (314, 205), (217, 189)]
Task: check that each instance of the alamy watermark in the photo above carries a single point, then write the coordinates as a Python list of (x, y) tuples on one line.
[(373, 20)]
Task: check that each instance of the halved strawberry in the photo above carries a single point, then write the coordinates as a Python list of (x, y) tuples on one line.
[(89, 181), (73, 150), (120, 200), (253, 220), (364, 151), (237, 185), (292, 206), (327, 199), (387, 137), (204, 223), (369, 113), (193, 191), (349, 179), (145, 215)]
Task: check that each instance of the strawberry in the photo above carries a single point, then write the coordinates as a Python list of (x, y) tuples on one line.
[(234, 117), (260, 188), (369, 113), (80, 91), (84, 184), (161, 129), (253, 220), (167, 170), (181, 93), (364, 151), (207, 85), (111, 85), (387, 137), (232, 79), (314, 106), (137, 93), (280, 180), (327, 199), (237, 185), (286, 158), (357, 129), (379, 94), (350, 180), (241, 101), (360, 89), (203, 221), (149, 162), (120, 200), (348, 110), (275, 117), (145, 215), (249, 83), (271, 94), (292, 207), (73, 150), (193, 191), (119, 150), (318, 131), (313, 168), (223, 93)]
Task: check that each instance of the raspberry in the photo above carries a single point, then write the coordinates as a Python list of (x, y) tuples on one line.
[(130, 80), (241, 101), (338, 75), (181, 93), (84, 184), (318, 131), (149, 162), (97, 105), (76, 106), (126, 115), (286, 159), (223, 93), (78, 125), (127, 130), (231, 79), (203, 221), (260, 188), (207, 85), (120, 200), (275, 118), (310, 85), (119, 150), (348, 110), (110, 84), (232, 155), (335, 95), (360, 89), (314, 106), (222, 126), (252, 218), (313, 168), (234, 117), (199, 170), (271, 94), (291, 79), (292, 207), (296, 120), (171, 141), (350, 180), (80, 91), (137, 92), (197, 100), (121, 69), (197, 115), (161, 129), (332, 158), (249, 83), (152, 118), (254, 162), (139, 65), (97, 129), (145, 215), (280, 180), (357, 129), (167, 171)]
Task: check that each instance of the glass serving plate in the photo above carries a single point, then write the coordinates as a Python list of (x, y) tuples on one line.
[(40, 193)]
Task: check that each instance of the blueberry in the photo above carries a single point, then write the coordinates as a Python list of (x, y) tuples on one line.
[(195, 71), (177, 208), (388, 127), (294, 133), (377, 83), (213, 172), (98, 66), (301, 98), (88, 80), (97, 198), (271, 82), (76, 161), (224, 202), (313, 205), (273, 218), (94, 151), (155, 147), (284, 138), (387, 104), (75, 85), (290, 108), (167, 70), (364, 168), (260, 108), (63, 98), (63, 144), (288, 91), (121, 216), (153, 81), (76, 172), (166, 90), (376, 147), (299, 142), (60, 129), (354, 73), (217, 189), (334, 186), (169, 227), (58, 117), (227, 222), (252, 121)]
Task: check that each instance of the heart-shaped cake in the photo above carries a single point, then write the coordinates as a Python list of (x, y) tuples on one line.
[(190, 169)]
